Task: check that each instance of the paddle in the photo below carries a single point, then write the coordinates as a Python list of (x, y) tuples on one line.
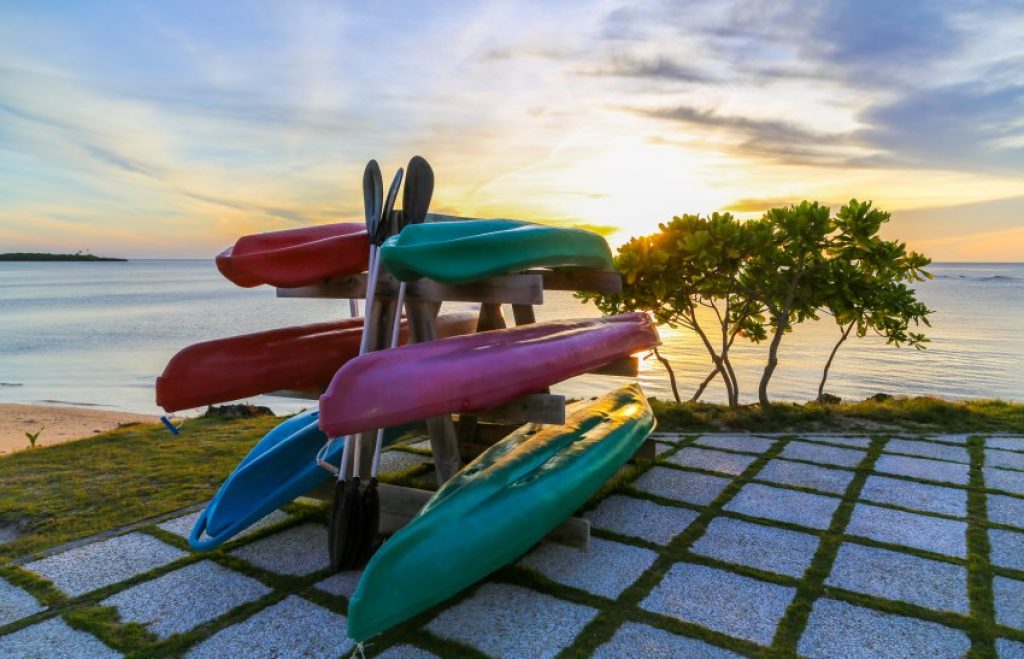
[(373, 201), (346, 520), (419, 188)]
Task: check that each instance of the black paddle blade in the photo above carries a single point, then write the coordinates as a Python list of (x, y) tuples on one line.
[(337, 504), (350, 525), (371, 523), (373, 196), (419, 189)]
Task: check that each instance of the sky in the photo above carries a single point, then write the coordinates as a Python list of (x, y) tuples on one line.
[(168, 129)]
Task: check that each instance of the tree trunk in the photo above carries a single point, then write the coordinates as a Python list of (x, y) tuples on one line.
[(671, 374), (715, 357), (828, 364), (773, 359), (735, 402), (703, 385)]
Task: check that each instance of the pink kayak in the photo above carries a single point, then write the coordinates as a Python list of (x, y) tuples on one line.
[(475, 372), (303, 357), (296, 257)]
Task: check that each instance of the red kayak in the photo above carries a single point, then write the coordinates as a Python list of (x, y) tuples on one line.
[(472, 373), (301, 358), (296, 257)]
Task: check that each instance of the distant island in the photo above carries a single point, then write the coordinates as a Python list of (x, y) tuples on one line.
[(40, 256)]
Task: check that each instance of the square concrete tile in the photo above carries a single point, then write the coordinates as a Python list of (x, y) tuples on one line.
[(1006, 443), (928, 450), (342, 583), (1007, 548), (294, 627), (406, 652), (186, 598), (636, 641), (639, 518), (897, 576), (606, 569), (763, 547), (510, 621), (851, 441), (829, 455), (723, 601), (688, 486), (932, 470), (53, 639), (812, 510), (1005, 510), (702, 458), (1007, 649), (956, 438), (838, 629), (392, 461), (918, 496), (16, 604), (942, 536), (823, 479), (182, 526), (661, 448), (744, 443), (1004, 479), (1004, 459), (86, 568), (300, 550), (1009, 597)]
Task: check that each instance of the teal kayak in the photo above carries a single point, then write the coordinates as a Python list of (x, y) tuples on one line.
[(496, 508), (469, 250)]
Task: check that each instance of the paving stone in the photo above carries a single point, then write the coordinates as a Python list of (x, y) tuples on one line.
[(1006, 443), (854, 441), (661, 448), (16, 604), (1009, 597), (933, 470), (342, 583), (919, 496), (1007, 649), (942, 536), (764, 547), (811, 510), (688, 486), (182, 526), (824, 479), (401, 460), (639, 518), (1007, 548), (723, 601), (1005, 510), (53, 639), (299, 550), (957, 438), (928, 450), (294, 627), (671, 437), (186, 598), (606, 569), (1004, 479), (897, 576), (702, 458), (838, 629), (510, 621), (746, 443), (86, 568), (636, 641), (1004, 459), (831, 455), (406, 652)]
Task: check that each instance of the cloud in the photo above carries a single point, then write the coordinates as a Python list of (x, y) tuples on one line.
[(658, 68)]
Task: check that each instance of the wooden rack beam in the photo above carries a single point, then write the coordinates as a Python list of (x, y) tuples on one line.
[(509, 289), (534, 408)]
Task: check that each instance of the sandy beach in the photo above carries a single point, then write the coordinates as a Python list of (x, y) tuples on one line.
[(58, 424)]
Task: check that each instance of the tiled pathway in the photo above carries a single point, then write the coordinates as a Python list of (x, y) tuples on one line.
[(729, 545)]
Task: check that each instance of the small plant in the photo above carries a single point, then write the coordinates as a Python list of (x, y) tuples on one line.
[(33, 436)]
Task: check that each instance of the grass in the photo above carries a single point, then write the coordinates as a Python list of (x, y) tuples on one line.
[(919, 414)]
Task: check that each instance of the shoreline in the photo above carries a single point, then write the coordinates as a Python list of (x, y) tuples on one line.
[(59, 424)]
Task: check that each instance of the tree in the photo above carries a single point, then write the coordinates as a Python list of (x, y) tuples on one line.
[(868, 283)]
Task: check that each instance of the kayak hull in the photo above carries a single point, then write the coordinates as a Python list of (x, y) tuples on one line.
[(495, 509), (297, 358), (296, 257), (474, 372), (455, 252)]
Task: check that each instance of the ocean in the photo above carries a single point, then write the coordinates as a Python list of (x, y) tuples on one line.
[(98, 334)]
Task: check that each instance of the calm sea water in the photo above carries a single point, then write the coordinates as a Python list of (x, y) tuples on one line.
[(98, 334)]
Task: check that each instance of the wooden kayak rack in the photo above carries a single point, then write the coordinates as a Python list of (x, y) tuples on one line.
[(455, 440)]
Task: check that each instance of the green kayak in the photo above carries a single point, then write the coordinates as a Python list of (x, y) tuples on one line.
[(496, 508), (468, 250)]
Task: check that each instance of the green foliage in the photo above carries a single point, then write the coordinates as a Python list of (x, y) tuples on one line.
[(33, 437)]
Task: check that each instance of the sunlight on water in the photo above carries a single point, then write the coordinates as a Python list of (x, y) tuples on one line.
[(100, 333)]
